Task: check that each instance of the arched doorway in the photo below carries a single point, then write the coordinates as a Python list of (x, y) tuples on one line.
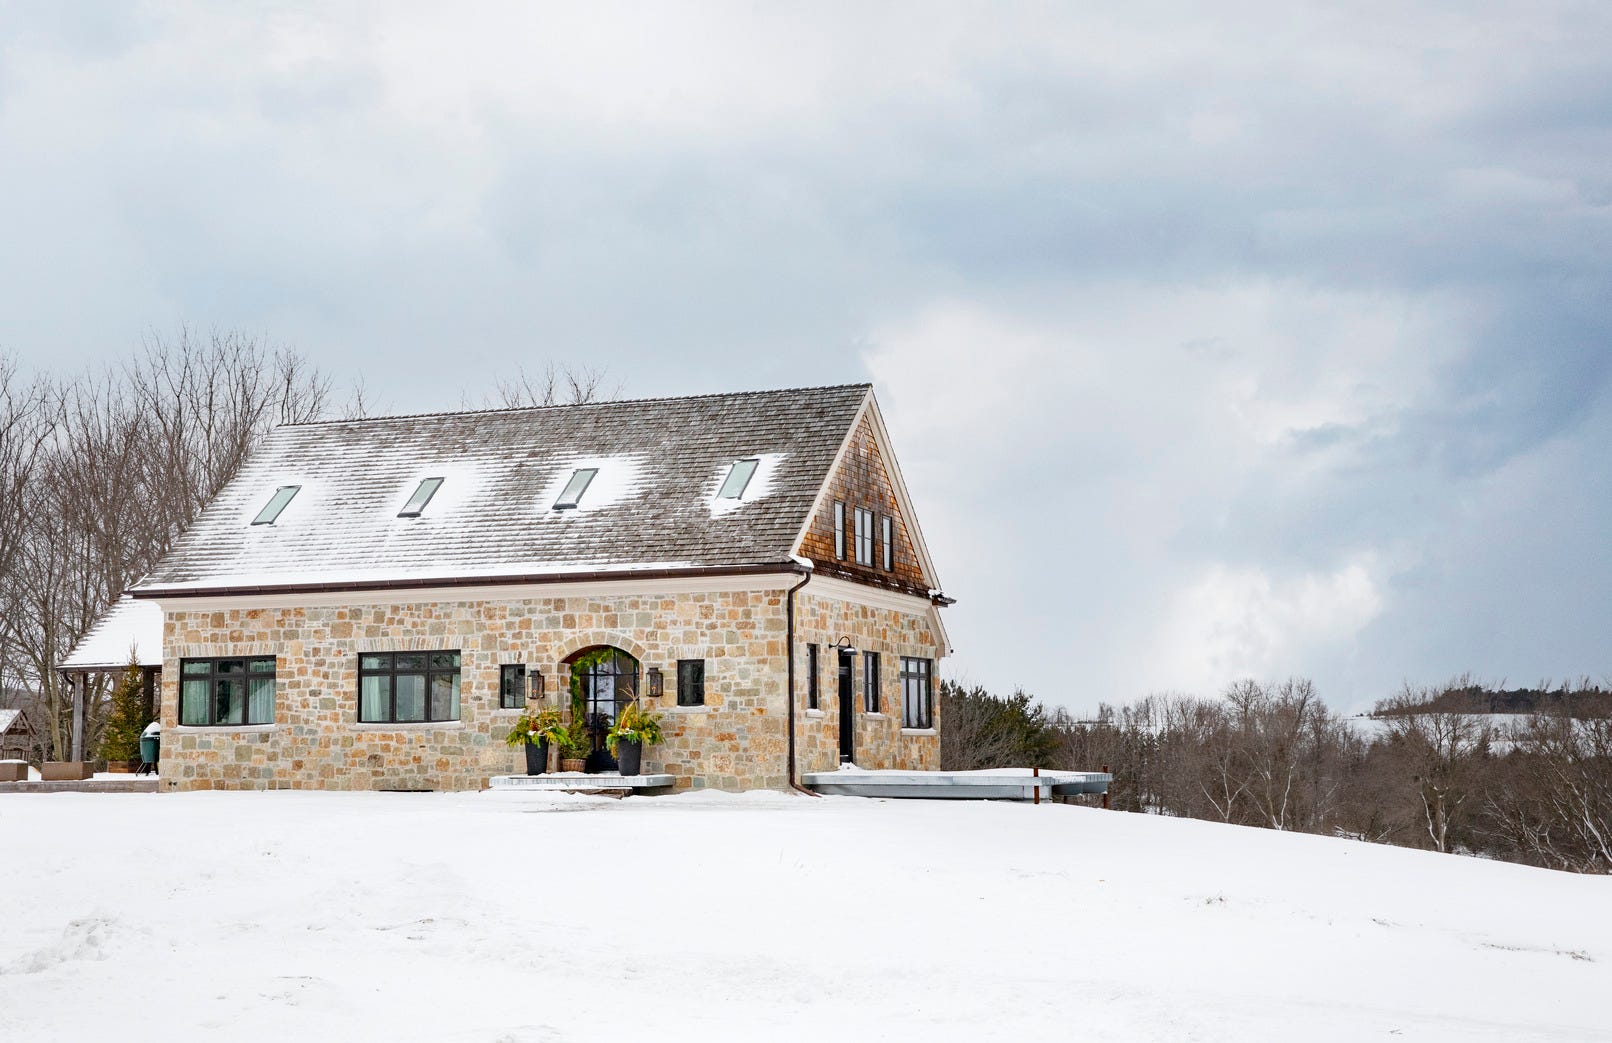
[(603, 680)]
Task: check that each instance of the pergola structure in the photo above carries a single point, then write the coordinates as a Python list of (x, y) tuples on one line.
[(129, 631)]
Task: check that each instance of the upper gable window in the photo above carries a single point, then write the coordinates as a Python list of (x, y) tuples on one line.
[(575, 488), (276, 504), (864, 536), (738, 479), (421, 497)]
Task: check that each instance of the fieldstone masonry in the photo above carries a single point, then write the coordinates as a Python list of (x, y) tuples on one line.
[(736, 741)]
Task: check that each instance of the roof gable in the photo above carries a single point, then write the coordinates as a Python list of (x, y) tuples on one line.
[(865, 476), (653, 504)]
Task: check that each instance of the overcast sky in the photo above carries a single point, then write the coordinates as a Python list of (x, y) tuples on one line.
[(1274, 341)]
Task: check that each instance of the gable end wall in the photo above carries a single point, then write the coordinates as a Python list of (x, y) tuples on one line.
[(863, 480)]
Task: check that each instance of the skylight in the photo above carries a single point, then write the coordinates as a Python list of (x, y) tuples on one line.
[(738, 478), (575, 488), (276, 504), (422, 496)]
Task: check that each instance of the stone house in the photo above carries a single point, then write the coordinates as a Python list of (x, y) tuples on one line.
[(369, 604)]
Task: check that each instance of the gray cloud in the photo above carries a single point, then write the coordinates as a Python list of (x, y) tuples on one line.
[(1273, 339)]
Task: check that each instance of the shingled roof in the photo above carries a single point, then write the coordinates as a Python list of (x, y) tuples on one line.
[(652, 507)]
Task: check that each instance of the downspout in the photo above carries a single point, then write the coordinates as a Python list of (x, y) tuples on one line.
[(804, 566)]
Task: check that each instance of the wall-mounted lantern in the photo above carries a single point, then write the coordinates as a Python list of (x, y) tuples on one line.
[(537, 684), (657, 684)]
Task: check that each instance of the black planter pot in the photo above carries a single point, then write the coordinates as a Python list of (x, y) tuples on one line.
[(629, 754), (537, 758)]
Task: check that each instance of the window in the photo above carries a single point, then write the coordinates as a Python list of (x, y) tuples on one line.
[(811, 677), (870, 681), (575, 488), (887, 542), (276, 504), (917, 693), (691, 682), (839, 530), (402, 687), (864, 536), (421, 497), (512, 686), (738, 479), (226, 691)]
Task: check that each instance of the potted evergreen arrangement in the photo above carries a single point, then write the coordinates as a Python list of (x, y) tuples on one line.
[(574, 746), (635, 728), (535, 731)]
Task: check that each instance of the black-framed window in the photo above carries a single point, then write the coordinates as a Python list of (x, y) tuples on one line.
[(839, 530), (608, 683), (887, 542), (811, 677), (512, 686), (691, 682), (403, 687), (864, 536), (870, 681), (226, 691), (917, 692)]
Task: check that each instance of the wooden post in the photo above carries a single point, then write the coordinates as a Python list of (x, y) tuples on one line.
[(1108, 787), (77, 691), (1036, 773)]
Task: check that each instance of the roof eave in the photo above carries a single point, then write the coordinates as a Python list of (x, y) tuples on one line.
[(423, 583)]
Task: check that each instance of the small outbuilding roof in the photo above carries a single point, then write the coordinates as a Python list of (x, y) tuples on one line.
[(335, 503), (128, 624), (8, 718)]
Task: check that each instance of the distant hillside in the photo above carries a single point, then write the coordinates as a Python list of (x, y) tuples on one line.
[(1582, 700)]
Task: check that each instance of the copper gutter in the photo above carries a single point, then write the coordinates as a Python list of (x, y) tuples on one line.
[(789, 650), (423, 583)]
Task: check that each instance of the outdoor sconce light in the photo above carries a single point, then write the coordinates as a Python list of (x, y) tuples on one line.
[(844, 645), (537, 684), (657, 685)]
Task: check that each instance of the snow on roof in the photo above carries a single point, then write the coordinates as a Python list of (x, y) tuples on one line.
[(7, 719), (128, 623), (652, 504)]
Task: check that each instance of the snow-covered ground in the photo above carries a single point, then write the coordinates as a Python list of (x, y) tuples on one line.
[(459, 917)]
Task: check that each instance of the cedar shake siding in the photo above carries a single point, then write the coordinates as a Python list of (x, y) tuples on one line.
[(863, 480)]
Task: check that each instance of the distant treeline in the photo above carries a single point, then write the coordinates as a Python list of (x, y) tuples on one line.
[(1536, 789), (1581, 698)]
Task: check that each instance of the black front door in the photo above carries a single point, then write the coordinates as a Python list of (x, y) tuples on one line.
[(847, 708)]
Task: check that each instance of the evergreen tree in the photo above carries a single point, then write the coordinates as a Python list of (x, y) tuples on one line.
[(121, 739)]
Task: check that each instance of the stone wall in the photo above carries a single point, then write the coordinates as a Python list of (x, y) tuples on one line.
[(736, 741), (881, 742)]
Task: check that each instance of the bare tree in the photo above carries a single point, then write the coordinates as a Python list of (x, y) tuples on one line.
[(131, 456), (1440, 751), (553, 386), (1554, 804)]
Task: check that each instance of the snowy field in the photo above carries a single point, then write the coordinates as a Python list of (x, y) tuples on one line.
[(524, 917)]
